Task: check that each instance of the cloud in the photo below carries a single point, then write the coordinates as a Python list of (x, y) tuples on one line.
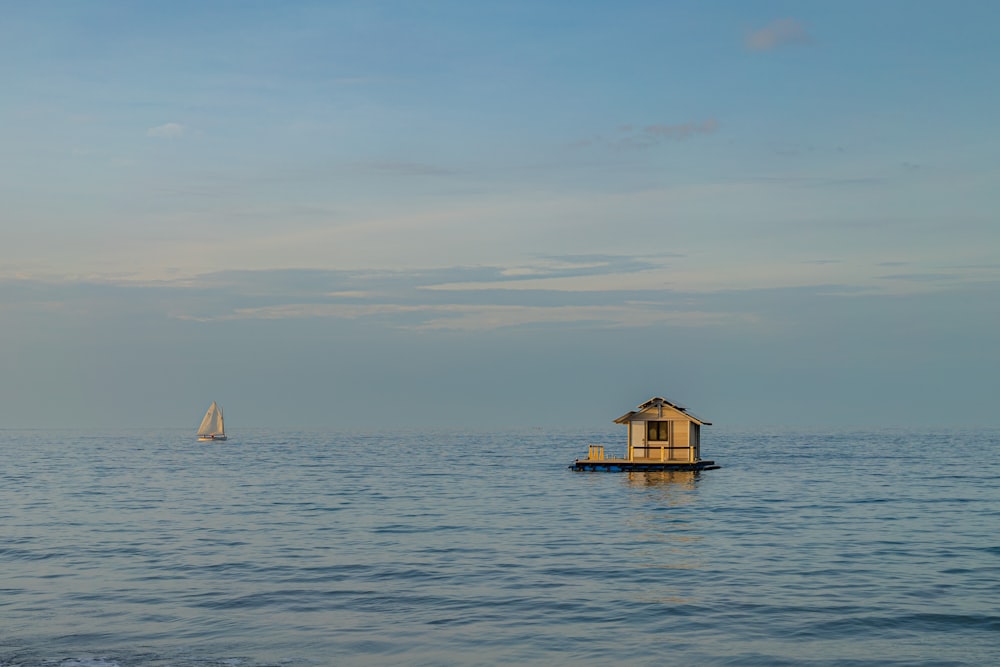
[(653, 134), (408, 168), (167, 131), (681, 131), (781, 32), (488, 317), (632, 137), (461, 299), (582, 291)]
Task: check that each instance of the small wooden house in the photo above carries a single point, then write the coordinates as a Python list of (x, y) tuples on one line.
[(661, 436)]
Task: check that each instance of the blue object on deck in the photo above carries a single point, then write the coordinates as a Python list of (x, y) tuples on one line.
[(639, 466)]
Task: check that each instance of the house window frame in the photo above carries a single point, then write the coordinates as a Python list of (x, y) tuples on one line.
[(659, 427)]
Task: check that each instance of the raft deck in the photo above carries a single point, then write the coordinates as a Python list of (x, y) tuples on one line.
[(624, 465)]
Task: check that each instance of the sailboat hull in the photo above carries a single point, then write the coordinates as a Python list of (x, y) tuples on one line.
[(210, 438)]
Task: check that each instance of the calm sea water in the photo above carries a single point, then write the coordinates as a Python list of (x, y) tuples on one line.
[(299, 549)]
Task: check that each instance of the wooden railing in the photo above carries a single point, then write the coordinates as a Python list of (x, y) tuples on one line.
[(662, 453)]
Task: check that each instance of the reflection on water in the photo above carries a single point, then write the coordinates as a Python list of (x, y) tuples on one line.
[(666, 533), (682, 479)]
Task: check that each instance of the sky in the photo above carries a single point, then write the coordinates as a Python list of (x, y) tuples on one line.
[(456, 215)]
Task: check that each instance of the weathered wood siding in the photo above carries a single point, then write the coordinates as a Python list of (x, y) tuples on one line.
[(681, 430), (636, 437), (683, 446)]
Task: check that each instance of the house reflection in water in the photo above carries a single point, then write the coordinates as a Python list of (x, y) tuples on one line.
[(683, 480)]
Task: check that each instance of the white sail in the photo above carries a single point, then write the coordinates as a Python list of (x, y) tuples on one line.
[(212, 426)]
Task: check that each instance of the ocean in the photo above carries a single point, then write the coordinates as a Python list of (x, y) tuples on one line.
[(149, 549)]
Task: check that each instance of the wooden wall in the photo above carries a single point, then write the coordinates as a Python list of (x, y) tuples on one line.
[(685, 434)]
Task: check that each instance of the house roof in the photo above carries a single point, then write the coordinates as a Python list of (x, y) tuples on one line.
[(658, 401)]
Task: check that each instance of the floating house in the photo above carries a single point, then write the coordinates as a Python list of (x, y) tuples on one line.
[(661, 436)]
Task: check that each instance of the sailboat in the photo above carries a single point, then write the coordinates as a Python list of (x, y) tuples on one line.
[(212, 426)]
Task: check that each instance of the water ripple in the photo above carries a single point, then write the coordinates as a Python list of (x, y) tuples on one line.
[(310, 549)]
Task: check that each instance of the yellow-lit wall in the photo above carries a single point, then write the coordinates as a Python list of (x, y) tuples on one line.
[(685, 434)]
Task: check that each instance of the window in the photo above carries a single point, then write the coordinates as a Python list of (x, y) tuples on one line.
[(657, 431)]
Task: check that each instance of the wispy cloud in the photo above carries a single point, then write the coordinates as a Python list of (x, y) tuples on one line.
[(407, 168), (486, 317), (463, 299), (681, 131), (781, 32), (584, 291), (639, 137), (166, 131)]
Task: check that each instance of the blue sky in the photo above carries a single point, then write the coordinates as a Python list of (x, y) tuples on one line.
[(499, 214)]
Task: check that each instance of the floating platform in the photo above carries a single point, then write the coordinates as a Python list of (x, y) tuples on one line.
[(624, 465), (662, 437)]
